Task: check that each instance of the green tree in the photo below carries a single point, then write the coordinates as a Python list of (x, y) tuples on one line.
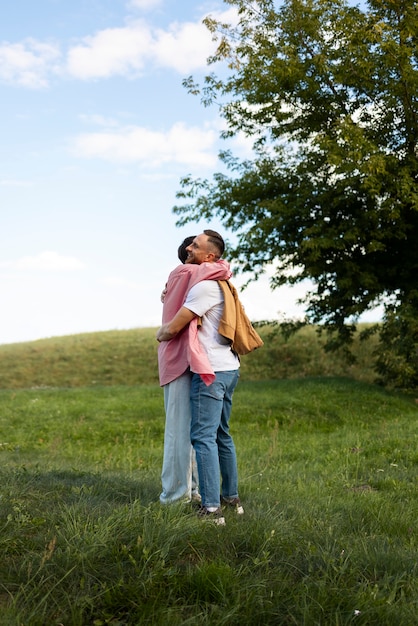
[(329, 93)]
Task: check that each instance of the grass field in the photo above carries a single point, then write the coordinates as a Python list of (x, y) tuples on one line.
[(328, 477), (130, 358)]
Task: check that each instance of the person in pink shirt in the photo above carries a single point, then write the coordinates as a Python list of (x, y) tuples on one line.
[(176, 359)]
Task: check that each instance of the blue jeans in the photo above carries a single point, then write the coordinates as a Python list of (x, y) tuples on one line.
[(215, 450), (179, 473)]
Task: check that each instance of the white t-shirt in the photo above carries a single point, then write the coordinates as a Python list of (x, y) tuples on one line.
[(206, 300)]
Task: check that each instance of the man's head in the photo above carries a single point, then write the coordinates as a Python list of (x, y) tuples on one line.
[(182, 249), (206, 247)]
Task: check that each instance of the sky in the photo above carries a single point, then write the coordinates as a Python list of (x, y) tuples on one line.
[(96, 132)]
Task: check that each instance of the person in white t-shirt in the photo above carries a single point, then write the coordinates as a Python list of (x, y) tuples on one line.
[(179, 472), (210, 404)]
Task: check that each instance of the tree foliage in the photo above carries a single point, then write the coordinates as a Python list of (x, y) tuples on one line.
[(329, 94)]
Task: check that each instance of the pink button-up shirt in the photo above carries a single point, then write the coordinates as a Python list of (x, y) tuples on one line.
[(184, 350)]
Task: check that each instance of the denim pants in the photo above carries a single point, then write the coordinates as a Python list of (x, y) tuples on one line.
[(214, 446), (179, 473)]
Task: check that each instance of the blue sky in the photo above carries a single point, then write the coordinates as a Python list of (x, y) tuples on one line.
[(97, 131)]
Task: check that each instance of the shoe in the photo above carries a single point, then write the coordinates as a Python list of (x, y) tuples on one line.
[(233, 503), (213, 516), (196, 497)]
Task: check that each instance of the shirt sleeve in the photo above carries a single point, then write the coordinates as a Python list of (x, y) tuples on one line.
[(203, 296)]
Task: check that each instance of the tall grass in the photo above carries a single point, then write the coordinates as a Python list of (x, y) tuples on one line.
[(328, 477)]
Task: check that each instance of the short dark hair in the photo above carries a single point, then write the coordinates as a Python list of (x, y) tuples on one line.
[(182, 252), (215, 239)]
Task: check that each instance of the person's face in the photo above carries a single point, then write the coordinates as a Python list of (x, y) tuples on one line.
[(200, 250)]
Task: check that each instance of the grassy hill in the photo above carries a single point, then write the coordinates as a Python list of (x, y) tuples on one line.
[(129, 357), (328, 472)]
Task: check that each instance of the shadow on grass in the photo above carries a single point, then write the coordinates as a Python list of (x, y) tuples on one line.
[(48, 489)]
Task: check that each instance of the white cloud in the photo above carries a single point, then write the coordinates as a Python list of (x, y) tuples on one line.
[(121, 51), (127, 50), (184, 47), (45, 261), (180, 144), (28, 63)]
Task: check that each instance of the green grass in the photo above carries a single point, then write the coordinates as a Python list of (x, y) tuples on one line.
[(130, 358), (92, 359), (328, 477)]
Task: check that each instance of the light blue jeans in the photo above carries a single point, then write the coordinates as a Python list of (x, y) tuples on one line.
[(213, 444), (179, 473)]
